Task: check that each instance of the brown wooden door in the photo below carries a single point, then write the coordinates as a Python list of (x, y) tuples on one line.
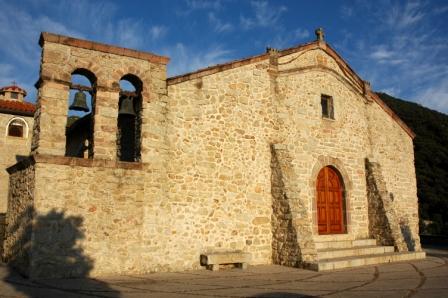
[(329, 202)]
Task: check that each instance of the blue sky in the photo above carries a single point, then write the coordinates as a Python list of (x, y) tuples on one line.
[(401, 47)]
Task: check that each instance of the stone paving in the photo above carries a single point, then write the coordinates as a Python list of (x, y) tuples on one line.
[(424, 278)]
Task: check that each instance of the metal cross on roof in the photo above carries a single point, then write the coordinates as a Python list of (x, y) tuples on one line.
[(320, 34)]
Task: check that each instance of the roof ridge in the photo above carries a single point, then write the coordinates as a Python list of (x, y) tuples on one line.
[(20, 89), (230, 64)]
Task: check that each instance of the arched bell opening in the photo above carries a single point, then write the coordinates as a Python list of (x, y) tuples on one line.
[(330, 202), (80, 116), (129, 120)]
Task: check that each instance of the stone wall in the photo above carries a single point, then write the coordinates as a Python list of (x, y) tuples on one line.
[(392, 148), (86, 228), (220, 127), (11, 149), (19, 219), (383, 222)]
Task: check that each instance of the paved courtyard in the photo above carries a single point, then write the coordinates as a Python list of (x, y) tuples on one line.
[(426, 278)]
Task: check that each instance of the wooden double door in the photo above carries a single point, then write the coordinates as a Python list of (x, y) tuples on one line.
[(330, 207)]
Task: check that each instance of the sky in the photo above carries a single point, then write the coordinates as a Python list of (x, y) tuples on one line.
[(401, 47)]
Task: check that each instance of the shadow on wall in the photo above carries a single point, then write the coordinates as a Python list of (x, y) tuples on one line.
[(285, 249), (2, 231), (384, 224), (379, 225), (19, 158), (56, 252), (407, 235)]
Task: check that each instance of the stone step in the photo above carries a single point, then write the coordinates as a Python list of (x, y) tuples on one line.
[(354, 251), (344, 244), (364, 242), (355, 261), (332, 237)]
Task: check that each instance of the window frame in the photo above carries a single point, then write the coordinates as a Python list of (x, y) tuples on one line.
[(328, 102), (24, 126), (14, 95)]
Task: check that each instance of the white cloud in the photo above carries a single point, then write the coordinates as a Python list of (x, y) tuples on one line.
[(21, 26), (402, 17), (435, 97), (300, 33), (286, 39), (264, 15), (6, 74), (5, 69), (404, 53), (218, 25), (195, 5), (9, 75), (100, 21), (158, 31), (129, 33), (391, 90), (185, 59), (440, 10), (203, 4), (346, 11), (20, 32), (382, 54)]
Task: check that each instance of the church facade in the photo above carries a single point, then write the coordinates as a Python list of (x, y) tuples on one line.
[(279, 155)]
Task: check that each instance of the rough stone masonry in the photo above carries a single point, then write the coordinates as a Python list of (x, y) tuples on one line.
[(230, 155)]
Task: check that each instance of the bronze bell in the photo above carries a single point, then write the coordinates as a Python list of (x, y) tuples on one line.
[(127, 107), (80, 102)]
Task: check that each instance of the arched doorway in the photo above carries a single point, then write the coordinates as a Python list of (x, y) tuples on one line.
[(330, 204)]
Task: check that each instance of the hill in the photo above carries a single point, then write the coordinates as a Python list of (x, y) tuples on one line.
[(431, 160)]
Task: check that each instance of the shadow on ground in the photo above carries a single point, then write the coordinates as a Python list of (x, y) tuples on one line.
[(281, 295), (56, 252), (438, 250)]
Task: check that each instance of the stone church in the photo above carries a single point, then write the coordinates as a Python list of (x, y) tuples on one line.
[(285, 158)]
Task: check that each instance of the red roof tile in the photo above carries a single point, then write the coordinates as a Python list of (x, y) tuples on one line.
[(17, 107), (13, 88)]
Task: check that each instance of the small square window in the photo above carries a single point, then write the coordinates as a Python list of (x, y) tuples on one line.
[(14, 95), (327, 106)]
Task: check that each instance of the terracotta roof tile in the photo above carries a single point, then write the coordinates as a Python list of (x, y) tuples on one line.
[(9, 106), (13, 88)]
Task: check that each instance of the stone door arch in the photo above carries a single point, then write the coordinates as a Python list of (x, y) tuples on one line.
[(330, 202)]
